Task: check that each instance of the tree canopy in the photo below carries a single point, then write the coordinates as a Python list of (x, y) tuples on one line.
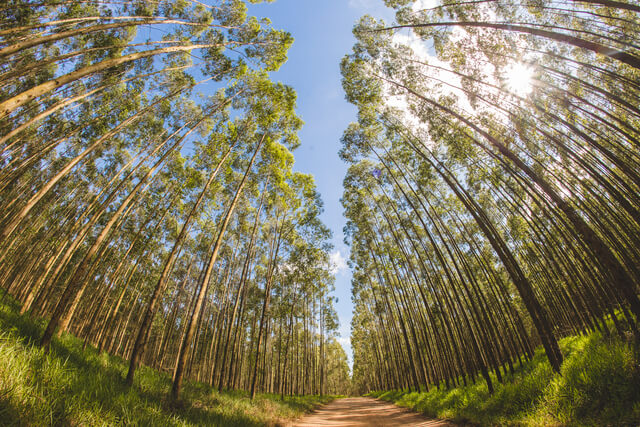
[(149, 201), (492, 194)]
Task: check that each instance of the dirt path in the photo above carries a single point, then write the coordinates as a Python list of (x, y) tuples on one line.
[(364, 411)]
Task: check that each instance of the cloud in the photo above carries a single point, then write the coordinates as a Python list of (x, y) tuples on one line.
[(337, 262)]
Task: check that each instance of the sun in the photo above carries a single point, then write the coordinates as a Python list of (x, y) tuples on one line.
[(519, 79)]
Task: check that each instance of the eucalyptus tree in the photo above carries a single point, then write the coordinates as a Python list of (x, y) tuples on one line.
[(298, 233), (144, 151), (271, 109), (495, 150)]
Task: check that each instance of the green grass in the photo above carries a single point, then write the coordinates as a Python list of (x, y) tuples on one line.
[(599, 385), (75, 387)]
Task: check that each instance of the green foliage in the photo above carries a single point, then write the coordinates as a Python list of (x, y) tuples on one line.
[(483, 211), (599, 382), (599, 385), (163, 156), (75, 387)]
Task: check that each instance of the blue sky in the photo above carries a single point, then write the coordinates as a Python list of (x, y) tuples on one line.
[(322, 32)]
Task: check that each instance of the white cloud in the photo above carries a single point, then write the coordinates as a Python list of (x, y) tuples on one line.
[(337, 262)]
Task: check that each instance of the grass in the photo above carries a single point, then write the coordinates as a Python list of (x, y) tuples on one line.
[(599, 385), (72, 387)]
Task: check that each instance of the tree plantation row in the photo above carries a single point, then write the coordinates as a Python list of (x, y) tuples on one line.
[(493, 194), (149, 205)]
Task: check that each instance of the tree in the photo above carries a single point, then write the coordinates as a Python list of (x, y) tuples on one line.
[(131, 176), (470, 185)]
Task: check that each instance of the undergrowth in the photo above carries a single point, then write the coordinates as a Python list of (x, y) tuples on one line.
[(599, 385), (70, 386)]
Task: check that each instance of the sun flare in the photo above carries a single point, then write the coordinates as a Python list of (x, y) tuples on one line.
[(519, 79)]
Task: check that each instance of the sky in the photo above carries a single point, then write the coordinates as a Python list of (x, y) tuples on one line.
[(322, 33)]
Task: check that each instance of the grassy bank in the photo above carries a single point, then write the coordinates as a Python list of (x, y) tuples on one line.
[(75, 387), (599, 385)]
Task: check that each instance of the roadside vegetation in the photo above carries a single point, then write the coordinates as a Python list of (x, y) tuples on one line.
[(492, 200), (599, 385), (72, 386), (149, 204)]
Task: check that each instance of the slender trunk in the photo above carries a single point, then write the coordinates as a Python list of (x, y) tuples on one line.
[(142, 336), (186, 343)]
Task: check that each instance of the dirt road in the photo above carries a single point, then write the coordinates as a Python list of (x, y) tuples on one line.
[(363, 411)]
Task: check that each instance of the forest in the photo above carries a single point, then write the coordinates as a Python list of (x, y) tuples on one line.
[(164, 262)]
